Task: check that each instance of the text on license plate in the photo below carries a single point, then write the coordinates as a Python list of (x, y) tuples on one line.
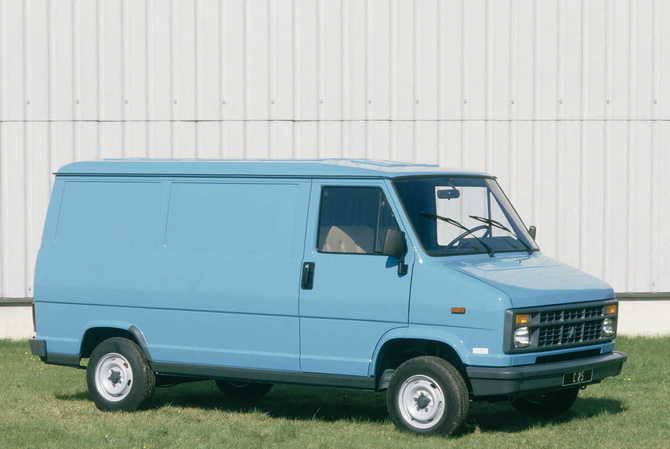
[(578, 377)]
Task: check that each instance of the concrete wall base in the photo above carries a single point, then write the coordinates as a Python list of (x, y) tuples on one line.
[(644, 316), (16, 318)]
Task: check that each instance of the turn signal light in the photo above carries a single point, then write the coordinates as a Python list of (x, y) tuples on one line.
[(523, 318), (610, 310)]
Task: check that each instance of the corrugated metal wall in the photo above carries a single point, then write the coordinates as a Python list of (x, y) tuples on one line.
[(567, 101)]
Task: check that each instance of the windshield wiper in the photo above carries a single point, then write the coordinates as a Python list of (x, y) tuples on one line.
[(499, 225), (458, 225)]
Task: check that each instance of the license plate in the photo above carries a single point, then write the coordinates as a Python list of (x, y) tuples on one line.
[(578, 377)]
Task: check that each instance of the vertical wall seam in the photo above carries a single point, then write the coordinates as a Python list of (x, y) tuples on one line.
[(609, 145), (296, 77), (465, 135), (3, 116), (393, 79), (246, 65), (320, 75), (369, 90), (560, 126), (272, 37), (125, 73), (149, 75), (27, 137), (631, 272), (655, 142), (513, 125), (3, 61), (197, 20), (100, 13), (223, 81), (245, 88), (174, 79), (345, 99), (536, 108), (488, 82), (583, 197)]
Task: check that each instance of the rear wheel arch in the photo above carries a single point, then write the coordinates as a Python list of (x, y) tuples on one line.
[(96, 335)]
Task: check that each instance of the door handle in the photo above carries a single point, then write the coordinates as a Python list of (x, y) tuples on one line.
[(307, 276)]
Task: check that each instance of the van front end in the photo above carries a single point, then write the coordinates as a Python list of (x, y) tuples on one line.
[(551, 349), (525, 327)]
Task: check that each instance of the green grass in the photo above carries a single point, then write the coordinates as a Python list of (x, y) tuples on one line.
[(44, 406)]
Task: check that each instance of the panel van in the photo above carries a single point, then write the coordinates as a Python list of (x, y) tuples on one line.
[(372, 275)]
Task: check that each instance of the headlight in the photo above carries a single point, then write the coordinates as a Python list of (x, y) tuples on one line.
[(608, 327), (522, 337)]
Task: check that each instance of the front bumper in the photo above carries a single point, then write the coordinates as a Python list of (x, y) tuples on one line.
[(517, 381)]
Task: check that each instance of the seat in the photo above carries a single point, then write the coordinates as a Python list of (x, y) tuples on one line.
[(349, 239)]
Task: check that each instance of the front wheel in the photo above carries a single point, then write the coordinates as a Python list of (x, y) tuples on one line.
[(427, 395), (118, 376), (555, 402)]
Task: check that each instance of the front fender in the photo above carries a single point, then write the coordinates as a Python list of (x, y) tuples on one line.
[(438, 334)]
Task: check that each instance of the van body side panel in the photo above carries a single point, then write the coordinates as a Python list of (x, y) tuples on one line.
[(187, 263), (355, 299)]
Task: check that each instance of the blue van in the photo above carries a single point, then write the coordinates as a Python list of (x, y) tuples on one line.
[(339, 273)]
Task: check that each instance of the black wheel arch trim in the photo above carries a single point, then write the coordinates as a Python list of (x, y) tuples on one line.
[(140, 341)]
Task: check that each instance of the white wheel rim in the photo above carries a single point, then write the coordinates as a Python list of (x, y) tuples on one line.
[(114, 377), (421, 402)]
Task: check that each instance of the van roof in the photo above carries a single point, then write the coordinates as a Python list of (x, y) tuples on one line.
[(258, 167)]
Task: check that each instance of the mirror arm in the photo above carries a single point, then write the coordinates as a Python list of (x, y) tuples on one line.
[(402, 267)]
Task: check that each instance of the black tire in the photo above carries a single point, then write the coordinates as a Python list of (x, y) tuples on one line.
[(118, 376), (243, 390), (555, 402), (427, 395)]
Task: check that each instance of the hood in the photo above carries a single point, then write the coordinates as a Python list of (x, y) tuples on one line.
[(534, 280)]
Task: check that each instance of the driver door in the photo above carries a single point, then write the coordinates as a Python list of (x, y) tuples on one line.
[(356, 294)]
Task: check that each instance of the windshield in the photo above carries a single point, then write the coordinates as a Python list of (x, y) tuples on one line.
[(462, 215)]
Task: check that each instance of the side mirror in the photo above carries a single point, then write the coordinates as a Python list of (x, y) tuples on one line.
[(532, 231), (396, 246)]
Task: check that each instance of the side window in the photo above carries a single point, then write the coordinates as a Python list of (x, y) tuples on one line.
[(354, 220)]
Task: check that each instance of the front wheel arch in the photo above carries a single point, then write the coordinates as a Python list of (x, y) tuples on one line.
[(396, 351)]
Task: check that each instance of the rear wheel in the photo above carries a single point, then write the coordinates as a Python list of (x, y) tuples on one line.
[(119, 377), (555, 402), (243, 390), (427, 395)]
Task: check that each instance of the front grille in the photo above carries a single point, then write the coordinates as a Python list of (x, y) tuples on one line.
[(569, 333), (572, 314), (557, 327)]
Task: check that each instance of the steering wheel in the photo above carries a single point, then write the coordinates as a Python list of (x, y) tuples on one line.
[(464, 234)]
